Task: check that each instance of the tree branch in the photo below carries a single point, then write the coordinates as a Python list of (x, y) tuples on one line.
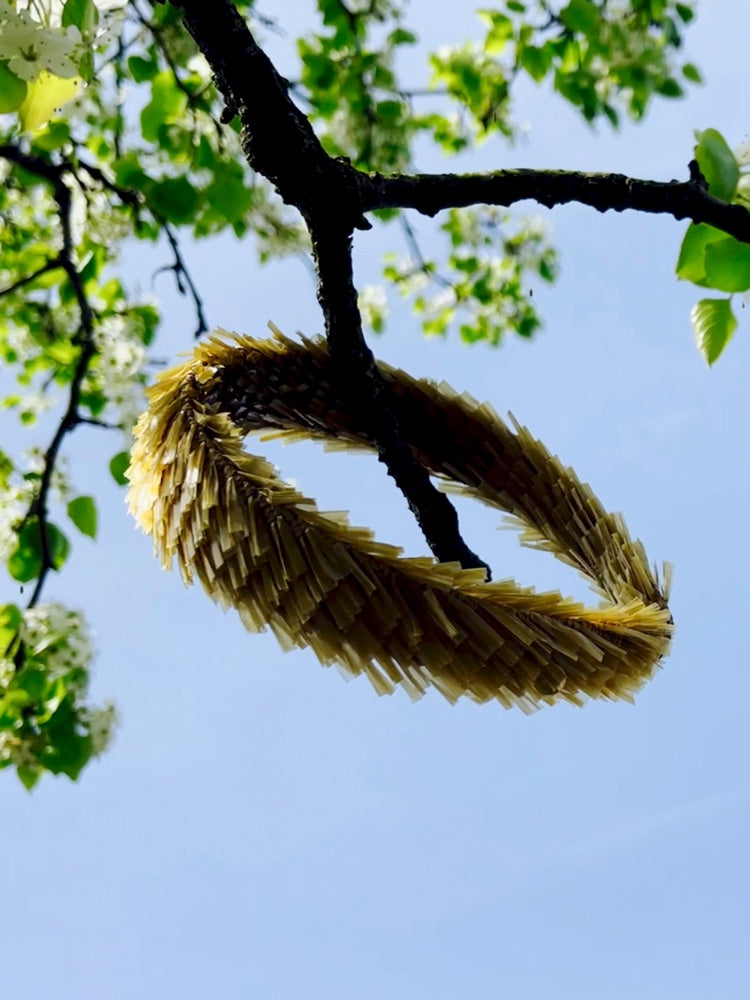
[(184, 279), (54, 174), (279, 143), (431, 193), (52, 265), (350, 355)]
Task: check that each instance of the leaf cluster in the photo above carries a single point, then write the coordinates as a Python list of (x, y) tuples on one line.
[(709, 257)]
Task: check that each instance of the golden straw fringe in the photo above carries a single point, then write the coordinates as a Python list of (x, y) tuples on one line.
[(258, 545)]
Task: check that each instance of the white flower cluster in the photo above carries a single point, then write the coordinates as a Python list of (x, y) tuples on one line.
[(412, 277), (60, 637), (17, 494), (742, 152), (101, 724), (14, 502), (373, 307), (33, 39), (34, 404), (7, 670), (95, 217), (31, 45), (119, 363), (15, 750), (60, 481)]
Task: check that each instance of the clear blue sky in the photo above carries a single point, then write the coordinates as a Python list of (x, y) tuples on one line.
[(262, 829)]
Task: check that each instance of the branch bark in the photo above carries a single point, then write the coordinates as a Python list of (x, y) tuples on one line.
[(431, 193)]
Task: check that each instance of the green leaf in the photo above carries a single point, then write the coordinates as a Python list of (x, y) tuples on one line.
[(402, 37), (118, 467), (54, 136), (63, 352), (82, 512), (10, 616), (175, 198), (717, 163), (670, 88), (536, 62), (10, 623), (728, 265), (229, 194), (29, 776), (31, 680), (25, 562), (691, 264), (713, 325), (167, 105), (68, 750), (82, 14), (581, 15), (44, 98), (142, 69), (692, 73), (59, 545), (12, 90)]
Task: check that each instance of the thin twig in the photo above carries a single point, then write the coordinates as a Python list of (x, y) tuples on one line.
[(95, 422), (183, 278), (416, 250), (52, 265)]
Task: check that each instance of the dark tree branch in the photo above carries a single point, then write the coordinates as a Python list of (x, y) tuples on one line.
[(52, 265), (432, 509), (279, 143), (54, 174), (431, 193)]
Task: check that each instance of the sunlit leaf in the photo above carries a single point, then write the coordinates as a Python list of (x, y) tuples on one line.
[(728, 265), (83, 14), (717, 163), (118, 466), (46, 95), (713, 325), (82, 512), (691, 264)]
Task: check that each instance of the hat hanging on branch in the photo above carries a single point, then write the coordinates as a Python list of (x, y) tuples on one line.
[(258, 545)]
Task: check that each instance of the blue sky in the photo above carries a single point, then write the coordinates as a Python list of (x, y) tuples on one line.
[(260, 828)]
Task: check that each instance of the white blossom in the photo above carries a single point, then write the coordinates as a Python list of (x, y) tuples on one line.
[(120, 359), (60, 481), (7, 673), (30, 46), (373, 306), (742, 152), (60, 636), (13, 506), (33, 404), (101, 724), (17, 751), (33, 39)]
